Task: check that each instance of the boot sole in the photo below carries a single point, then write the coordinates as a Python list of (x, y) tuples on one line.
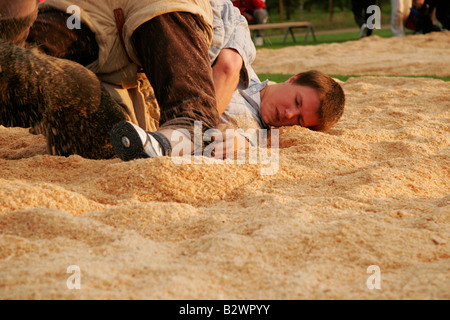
[(126, 141)]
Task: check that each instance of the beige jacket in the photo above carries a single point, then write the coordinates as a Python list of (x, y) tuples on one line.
[(117, 66)]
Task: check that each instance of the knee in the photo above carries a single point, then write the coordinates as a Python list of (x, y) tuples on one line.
[(16, 19), (17, 9)]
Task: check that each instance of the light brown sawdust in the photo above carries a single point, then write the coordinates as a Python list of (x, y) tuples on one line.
[(412, 55), (374, 190)]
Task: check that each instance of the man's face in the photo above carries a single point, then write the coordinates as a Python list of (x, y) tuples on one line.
[(287, 104)]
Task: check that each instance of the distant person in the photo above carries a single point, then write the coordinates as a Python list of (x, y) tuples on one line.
[(359, 8), (399, 15), (255, 11), (420, 18)]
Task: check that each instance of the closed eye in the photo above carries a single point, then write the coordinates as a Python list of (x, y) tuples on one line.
[(300, 121), (299, 102)]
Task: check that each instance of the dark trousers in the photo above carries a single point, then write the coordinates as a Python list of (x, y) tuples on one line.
[(179, 70), (424, 24), (443, 13), (359, 9)]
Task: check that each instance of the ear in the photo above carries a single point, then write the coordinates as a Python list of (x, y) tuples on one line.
[(292, 79)]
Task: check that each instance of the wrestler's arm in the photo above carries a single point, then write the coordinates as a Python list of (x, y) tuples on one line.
[(226, 72), (231, 52)]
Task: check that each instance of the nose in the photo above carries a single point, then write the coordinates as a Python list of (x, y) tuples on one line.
[(290, 113)]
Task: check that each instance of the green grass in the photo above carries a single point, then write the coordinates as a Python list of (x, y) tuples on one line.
[(319, 16), (320, 19), (342, 20), (277, 77), (277, 42)]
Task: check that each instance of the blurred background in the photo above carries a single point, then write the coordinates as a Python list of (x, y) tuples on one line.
[(333, 21), (324, 14)]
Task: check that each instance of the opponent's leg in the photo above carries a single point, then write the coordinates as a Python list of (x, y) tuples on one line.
[(61, 95), (174, 54), (16, 17)]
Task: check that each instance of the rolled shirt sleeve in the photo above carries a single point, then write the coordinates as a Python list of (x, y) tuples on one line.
[(230, 31)]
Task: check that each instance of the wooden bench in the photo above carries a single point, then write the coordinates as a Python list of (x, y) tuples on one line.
[(289, 26)]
